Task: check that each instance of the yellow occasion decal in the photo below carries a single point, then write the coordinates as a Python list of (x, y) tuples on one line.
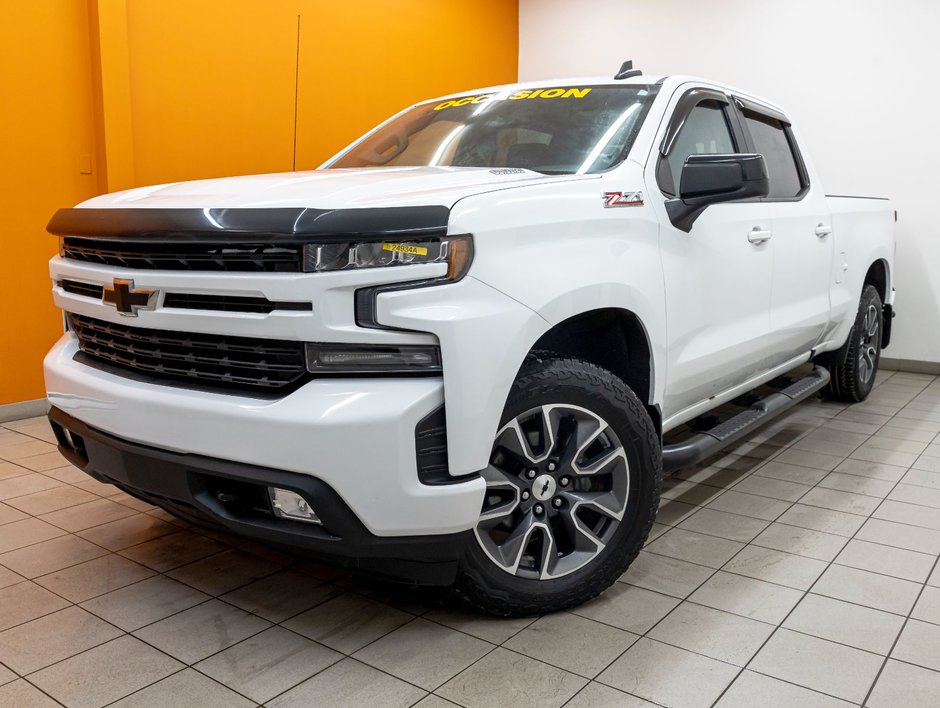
[(518, 95)]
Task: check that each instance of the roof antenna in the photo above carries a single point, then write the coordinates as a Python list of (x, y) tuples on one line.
[(627, 71)]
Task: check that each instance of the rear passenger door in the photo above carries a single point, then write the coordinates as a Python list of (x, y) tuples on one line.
[(802, 235)]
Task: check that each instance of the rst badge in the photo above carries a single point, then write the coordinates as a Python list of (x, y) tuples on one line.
[(622, 199)]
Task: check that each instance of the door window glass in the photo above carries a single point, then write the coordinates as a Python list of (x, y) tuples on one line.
[(705, 131), (771, 140)]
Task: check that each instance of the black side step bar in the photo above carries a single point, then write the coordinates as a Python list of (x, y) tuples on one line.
[(702, 445)]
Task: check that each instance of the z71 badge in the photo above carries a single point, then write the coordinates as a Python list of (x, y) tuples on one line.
[(622, 199)]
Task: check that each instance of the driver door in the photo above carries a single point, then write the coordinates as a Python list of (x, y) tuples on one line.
[(718, 277)]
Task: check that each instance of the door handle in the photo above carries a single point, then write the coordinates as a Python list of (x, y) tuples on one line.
[(758, 236), (822, 230)]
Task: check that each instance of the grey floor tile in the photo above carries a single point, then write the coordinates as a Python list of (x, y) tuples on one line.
[(716, 634), (8, 514), (876, 470), (896, 562), (922, 478), (628, 607), (912, 494), (58, 497), (747, 597), (724, 525), (51, 638), (171, 551), (845, 623), (904, 686), (836, 500), (668, 675), (8, 577), (929, 463), (282, 595), (689, 492), (913, 514), (184, 688), (143, 603), (806, 458), (919, 644), (84, 516), (194, 634), (224, 572), (825, 520), (504, 678), (433, 701), (348, 622), (116, 535), (669, 576), (50, 556), (888, 457), (928, 606), (27, 532), (800, 541), (95, 577), (424, 653), (749, 505), (869, 589), (268, 663), (818, 664), (597, 695), (791, 473), (694, 547), (773, 488), (857, 485), (79, 682), (495, 630), (573, 643), (6, 675), (752, 689), (672, 512), (26, 601), (21, 694), (777, 567), (350, 684), (891, 533)]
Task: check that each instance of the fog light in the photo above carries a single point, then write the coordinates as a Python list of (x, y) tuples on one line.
[(290, 505), (373, 358)]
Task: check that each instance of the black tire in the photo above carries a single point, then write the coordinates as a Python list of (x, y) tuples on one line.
[(550, 382), (852, 380)]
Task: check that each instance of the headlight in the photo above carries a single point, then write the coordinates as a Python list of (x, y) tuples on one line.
[(373, 358), (455, 251)]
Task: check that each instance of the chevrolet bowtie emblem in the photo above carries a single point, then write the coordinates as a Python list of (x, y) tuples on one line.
[(126, 299)]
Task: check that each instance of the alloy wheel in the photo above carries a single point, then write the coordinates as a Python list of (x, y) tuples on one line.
[(868, 351)]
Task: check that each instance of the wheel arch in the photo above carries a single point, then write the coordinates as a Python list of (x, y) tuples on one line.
[(877, 275), (614, 339)]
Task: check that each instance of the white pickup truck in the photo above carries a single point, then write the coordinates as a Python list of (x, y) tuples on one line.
[(451, 354)]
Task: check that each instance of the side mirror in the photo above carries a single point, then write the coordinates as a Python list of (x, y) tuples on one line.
[(715, 179)]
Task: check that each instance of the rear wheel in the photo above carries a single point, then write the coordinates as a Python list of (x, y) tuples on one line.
[(572, 490), (852, 380)]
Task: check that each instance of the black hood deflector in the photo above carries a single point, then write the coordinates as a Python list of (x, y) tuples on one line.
[(295, 224)]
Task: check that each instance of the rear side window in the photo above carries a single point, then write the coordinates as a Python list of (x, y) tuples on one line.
[(704, 131), (771, 140)]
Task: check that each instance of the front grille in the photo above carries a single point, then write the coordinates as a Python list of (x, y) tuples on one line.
[(204, 360), (197, 255), (191, 301)]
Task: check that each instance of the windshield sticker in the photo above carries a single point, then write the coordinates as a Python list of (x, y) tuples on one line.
[(509, 171), (518, 95)]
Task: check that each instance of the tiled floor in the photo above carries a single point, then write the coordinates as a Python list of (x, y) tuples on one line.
[(800, 569)]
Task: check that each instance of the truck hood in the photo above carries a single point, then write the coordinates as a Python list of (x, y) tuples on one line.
[(329, 189)]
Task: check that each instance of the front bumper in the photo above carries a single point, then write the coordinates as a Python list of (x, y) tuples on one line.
[(232, 496), (355, 435)]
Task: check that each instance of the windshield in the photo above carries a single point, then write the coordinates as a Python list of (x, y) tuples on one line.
[(563, 130)]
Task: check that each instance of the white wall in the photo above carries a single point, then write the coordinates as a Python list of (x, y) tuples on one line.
[(860, 78)]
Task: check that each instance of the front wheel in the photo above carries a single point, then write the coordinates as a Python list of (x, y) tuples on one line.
[(572, 489), (852, 380)]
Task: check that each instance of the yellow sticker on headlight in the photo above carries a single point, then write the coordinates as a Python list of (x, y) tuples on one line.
[(405, 248)]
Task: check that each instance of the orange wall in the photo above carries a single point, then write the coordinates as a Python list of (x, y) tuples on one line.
[(214, 83), (46, 130), (155, 91)]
